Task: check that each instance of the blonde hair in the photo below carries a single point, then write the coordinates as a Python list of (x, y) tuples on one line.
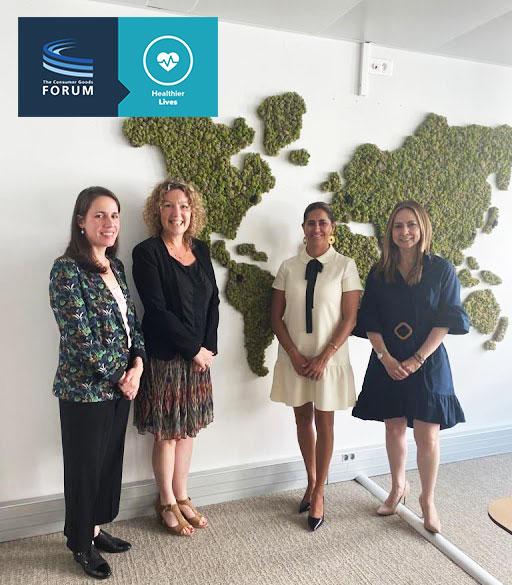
[(151, 212), (388, 262)]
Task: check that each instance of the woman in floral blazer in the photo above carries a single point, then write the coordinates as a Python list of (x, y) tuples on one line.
[(93, 353), (100, 364)]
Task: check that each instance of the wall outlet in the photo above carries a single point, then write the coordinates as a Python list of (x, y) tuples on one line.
[(346, 457), (381, 67)]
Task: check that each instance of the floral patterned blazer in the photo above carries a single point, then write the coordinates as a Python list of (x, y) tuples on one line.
[(93, 352)]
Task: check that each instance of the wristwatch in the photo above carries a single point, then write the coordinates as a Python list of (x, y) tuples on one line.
[(380, 355)]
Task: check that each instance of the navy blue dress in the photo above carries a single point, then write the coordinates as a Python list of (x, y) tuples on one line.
[(404, 315)]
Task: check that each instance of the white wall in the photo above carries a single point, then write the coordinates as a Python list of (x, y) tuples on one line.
[(38, 198)]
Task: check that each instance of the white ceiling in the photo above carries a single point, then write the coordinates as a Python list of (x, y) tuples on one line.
[(476, 30)]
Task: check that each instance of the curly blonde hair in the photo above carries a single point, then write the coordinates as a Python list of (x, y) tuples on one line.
[(151, 212)]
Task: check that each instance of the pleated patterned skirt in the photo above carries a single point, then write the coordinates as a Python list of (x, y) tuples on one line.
[(173, 402)]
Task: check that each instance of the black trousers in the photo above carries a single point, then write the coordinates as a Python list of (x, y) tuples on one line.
[(93, 448)]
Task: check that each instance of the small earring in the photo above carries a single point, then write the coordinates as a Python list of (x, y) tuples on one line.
[(332, 240), (304, 240), (82, 231)]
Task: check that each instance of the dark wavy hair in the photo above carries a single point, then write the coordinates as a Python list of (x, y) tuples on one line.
[(319, 205), (79, 248)]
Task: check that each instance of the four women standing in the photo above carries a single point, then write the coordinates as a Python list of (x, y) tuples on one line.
[(411, 302)]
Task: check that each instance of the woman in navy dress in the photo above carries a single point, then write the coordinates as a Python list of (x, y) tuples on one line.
[(411, 301)]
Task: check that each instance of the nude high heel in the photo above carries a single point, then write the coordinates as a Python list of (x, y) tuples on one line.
[(389, 509), (432, 524)]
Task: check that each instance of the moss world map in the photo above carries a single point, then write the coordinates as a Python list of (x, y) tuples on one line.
[(446, 168)]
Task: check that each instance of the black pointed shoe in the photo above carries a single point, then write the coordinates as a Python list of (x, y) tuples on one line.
[(304, 505), (93, 563), (315, 523), (108, 543)]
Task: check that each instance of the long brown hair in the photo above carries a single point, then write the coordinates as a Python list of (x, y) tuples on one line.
[(79, 247), (152, 208), (390, 256)]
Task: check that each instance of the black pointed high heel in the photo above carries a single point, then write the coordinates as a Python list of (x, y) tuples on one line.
[(315, 523), (304, 505)]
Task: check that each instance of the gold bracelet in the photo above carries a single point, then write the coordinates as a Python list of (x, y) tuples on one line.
[(419, 358), (335, 347)]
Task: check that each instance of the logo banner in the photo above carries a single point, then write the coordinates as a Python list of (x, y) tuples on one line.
[(117, 67)]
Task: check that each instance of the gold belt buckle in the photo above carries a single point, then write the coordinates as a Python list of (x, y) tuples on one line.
[(407, 334)]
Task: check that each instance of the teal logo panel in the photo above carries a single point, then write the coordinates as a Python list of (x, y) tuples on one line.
[(169, 66)]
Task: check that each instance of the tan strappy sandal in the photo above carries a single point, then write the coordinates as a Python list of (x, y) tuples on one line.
[(182, 522), (196, 519)]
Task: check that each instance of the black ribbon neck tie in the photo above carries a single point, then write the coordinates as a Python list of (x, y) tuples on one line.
[(313, 267)]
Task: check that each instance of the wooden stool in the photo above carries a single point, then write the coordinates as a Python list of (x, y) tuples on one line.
[(500, 512)]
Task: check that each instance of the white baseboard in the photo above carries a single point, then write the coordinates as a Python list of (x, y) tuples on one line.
[(44, 515)]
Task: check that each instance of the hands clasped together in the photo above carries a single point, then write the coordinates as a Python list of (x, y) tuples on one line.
[(312, 368), (400, 370), (130, 380), (202, 360), (129, 383)]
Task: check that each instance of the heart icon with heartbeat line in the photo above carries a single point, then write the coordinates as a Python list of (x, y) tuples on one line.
[(168, 61)]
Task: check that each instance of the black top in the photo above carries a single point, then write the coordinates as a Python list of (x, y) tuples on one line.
[(168, 330), (196, 292)]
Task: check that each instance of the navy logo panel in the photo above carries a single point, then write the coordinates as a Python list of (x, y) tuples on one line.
[(68, 67)]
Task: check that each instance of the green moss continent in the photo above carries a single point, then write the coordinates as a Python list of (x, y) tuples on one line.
[(282, 116), (483, 310), (249, 290)]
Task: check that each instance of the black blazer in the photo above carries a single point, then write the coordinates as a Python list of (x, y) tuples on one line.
[(165, 332)]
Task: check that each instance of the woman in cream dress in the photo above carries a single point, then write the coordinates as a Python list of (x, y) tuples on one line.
[(314, 308)]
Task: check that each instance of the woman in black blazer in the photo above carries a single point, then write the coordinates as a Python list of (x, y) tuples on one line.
[(176, 283)]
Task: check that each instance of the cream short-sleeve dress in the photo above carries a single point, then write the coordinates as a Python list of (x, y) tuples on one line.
[(335, 390)]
